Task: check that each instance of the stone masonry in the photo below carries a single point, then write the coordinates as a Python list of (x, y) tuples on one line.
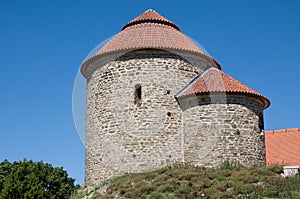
[(153, 99), (124, 136), (223, 127)]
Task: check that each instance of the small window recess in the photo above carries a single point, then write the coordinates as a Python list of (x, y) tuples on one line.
[(238, 132), (138, 94), (261, 121)]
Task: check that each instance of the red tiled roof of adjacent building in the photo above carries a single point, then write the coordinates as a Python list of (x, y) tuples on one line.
[(150, 30), (215, 80), (283, 147)]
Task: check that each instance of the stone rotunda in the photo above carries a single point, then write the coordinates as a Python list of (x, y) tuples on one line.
[(154, 98)]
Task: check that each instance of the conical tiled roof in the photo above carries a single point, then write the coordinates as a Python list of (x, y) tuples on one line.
[(150, 16), (150, 30), (214, 80)]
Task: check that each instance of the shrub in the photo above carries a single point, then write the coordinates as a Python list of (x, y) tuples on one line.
[(229, 165), (157, 195), (28, 179), (169, 187)]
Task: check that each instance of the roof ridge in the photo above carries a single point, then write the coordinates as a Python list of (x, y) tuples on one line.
[(287, 130), (195, 79)]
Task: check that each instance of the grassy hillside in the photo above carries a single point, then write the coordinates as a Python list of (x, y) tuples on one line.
[(181, 181)]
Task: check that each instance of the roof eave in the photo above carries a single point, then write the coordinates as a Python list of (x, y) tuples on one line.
[(84, 65), (265, 101)]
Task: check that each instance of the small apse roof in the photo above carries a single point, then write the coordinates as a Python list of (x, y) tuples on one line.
[(214, 80)]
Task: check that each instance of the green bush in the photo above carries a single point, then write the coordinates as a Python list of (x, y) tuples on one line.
[(27, 179), (230, 165), (157, 195), (169, 187)]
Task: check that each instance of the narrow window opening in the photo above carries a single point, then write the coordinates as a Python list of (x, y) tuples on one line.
[(261, 121), (168, 92), (169, 114), (138, 94)]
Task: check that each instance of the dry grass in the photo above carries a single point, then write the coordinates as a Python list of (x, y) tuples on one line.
[(226, 181)]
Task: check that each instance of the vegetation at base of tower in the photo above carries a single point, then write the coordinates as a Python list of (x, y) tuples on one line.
[(183, 181), (27, 179)]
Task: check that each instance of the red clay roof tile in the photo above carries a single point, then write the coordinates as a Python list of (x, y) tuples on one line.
[(214, 80), (150, 30), (150, 16), (283, 147), (150, 36)]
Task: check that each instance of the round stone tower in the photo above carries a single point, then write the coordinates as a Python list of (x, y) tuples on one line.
[(145, 107), (222, 120)]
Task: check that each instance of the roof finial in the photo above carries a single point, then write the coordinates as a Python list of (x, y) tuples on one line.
[(150, 10)]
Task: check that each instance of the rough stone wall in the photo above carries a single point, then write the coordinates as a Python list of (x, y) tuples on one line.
[(126, 133), (223, 127), (123, 135)]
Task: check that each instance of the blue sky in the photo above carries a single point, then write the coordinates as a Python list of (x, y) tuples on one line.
[(43, 42)]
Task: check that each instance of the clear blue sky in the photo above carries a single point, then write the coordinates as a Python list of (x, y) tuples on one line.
[(43, 42)]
